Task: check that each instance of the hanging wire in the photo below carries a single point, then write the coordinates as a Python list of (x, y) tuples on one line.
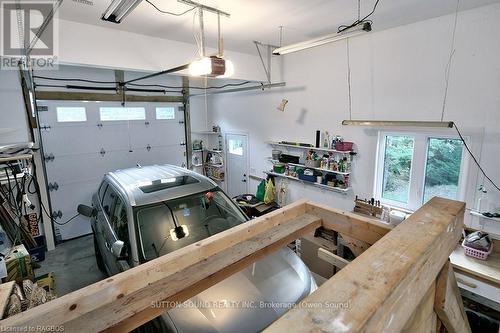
[(450, 58), (359, 20), (170, 13)]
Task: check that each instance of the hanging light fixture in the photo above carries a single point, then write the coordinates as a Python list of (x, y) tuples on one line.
[(351, 32), (398, 123), (119, 9)]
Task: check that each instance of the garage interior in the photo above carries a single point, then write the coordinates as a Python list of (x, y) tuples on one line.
[(223, 166)]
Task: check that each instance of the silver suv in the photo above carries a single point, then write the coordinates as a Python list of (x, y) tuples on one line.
[(142, 213)]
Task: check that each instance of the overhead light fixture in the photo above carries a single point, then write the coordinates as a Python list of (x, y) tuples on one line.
[(211, 66), (351, 32), (119, 9), (394, 123)]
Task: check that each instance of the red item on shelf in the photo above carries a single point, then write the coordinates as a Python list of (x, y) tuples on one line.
[(344, 146)]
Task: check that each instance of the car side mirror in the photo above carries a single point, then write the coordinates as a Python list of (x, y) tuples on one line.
[(117, 249), (86, 210)]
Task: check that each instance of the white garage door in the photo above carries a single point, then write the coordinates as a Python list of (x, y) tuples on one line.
[(84, 140)]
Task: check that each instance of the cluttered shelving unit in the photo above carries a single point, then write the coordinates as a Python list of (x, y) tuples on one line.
[(330, 173), (209, 161)]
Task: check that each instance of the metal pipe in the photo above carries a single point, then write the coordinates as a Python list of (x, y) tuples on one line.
[(167, 71), (207, 8), (202, 29)]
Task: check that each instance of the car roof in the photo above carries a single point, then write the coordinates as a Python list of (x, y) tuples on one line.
[(130, 181)]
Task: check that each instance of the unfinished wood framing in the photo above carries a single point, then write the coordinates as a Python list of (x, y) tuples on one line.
[(379, 291), (103, 97)]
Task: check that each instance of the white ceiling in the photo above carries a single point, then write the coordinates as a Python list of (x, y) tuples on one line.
[(260, 19)]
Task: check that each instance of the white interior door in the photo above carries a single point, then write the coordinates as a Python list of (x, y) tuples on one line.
[(237, 164), (83, 142)]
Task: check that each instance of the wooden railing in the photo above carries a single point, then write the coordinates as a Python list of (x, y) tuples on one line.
[(389, 287)]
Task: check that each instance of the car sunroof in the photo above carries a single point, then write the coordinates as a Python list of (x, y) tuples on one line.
[(163, 184)]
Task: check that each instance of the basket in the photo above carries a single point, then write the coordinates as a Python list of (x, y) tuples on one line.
[(475, 253), (344, 146)]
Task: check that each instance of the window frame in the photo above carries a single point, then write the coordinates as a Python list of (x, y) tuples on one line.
[(418, 167), (100, 109), (61, 107), (175, 108)]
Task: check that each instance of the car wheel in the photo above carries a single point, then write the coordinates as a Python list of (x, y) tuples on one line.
[(98, 257)]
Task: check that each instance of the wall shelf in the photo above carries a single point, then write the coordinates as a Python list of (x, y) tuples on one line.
[(277, 144), (314, 168), (326, 187), (206, 133), (216, 179), (478, 214)]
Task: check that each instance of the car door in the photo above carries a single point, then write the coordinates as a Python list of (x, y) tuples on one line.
[(119, 225)]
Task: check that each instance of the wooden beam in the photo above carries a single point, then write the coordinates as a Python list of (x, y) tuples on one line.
[(82, 96), (424, 318), (115, 299), (331, 258), (152, 312), (448, 302), (379, 291), (5, 291), (363, 228), (356, 246)]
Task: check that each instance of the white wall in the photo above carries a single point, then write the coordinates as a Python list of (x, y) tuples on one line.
[(397, 74), (90, 45), (13, 126)]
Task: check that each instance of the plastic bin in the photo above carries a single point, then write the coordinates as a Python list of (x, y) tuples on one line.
[(307, 178), (344, 146)]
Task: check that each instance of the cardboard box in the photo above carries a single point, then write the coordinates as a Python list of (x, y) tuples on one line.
[(18, 264)]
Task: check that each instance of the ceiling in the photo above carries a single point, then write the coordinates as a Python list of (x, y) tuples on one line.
[(260, 19)]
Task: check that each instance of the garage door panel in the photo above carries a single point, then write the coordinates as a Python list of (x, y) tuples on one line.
[(84, 151), (76, 139), (66, 199), (155, 134), (75, 168), (161, 155)]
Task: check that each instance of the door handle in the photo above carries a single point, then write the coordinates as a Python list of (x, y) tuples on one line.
[(107, 245)]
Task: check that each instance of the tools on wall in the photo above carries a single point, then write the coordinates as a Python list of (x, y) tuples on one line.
[(368, 207)]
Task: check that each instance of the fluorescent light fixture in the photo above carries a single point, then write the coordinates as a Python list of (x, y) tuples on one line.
[(119, 9), (211, 66), (354, 31), (393, 123)]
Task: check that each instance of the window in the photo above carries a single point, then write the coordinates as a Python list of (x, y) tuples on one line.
[(119, 223), (102, 189), (108, 200), (122, 113), (414, 167), (200, 215), (165, 113), (235, 147), (71, 114)]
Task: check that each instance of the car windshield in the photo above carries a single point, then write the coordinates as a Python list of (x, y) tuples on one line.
[(170, 225)]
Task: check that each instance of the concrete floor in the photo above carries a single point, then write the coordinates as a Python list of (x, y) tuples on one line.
[(73, 264)]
